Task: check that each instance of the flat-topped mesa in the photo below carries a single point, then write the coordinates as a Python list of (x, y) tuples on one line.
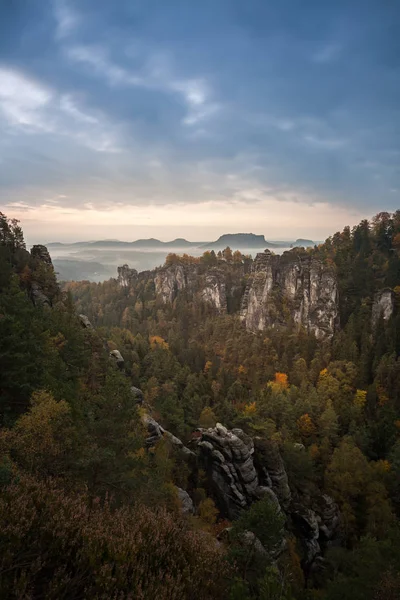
[(296, 288)]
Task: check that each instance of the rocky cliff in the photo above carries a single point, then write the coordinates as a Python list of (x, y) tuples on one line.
[(242, 470), (383, 306), (295, 288), (209, 284)]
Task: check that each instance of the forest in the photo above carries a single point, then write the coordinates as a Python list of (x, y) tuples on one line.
[(89, 508)]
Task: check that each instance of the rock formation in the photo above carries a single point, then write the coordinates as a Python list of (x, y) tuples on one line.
[(211, 285), (126, 276), (85, 322), (214, 289), (118, 358), (37, 296), (156, 433), (294, 288), (187, 506), (40, 253), (241, 471), (383, 306), (169, 280), (228, 458)]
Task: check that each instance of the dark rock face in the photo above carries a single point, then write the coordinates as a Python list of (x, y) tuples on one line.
[(41, 254), (383, 306), (37, 295), (241, 471), (187, 506), (137, 395), (293, 288), (156, 432), (126, 276), (272, 471), (228, 456)]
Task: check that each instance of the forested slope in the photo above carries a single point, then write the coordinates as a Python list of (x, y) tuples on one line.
[(90, 509)]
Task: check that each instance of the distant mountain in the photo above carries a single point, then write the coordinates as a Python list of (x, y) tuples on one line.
[(233, 240), (239, 240), (142, 243), (304, 243)]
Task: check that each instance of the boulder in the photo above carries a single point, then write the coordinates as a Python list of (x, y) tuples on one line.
[(137, 395), (85, 322), (187, 506), (118, 358)]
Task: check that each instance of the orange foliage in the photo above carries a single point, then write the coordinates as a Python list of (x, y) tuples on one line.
[(281, 380)]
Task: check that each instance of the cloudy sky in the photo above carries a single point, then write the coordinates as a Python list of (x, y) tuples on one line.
[(139, 118)]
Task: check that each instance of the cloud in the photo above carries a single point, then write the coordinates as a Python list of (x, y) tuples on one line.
[(22, 100), (29, 107), (66, 18), (156, 74)]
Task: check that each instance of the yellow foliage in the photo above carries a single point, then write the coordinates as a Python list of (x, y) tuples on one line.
[(141, 453), (207, 366), (360, 398), (305, 425), (382, 395), (242, 370), (397, 424), (157, 341), (323, 373), (250, 409)]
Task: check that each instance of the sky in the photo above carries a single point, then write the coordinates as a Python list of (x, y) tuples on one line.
[(189, 118)]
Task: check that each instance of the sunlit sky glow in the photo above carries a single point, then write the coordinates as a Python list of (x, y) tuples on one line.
[(146, 118)]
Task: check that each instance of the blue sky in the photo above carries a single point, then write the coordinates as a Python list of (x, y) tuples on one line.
[(131, 118)]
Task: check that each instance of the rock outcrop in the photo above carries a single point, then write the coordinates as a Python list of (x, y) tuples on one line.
[(37, 296), (228, 458), (116, 356), (85, 322), (156, 433), (241, 470), (40, 253), (211, 285), (126, 276), (214, 289), (383, 306), (271, 469), (186, 502), (169, 280), (295, 288)]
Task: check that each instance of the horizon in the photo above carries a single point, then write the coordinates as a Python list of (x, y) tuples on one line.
[(146, 120)]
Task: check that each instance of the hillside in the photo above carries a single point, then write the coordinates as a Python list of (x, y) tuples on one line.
[(219, 427)]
